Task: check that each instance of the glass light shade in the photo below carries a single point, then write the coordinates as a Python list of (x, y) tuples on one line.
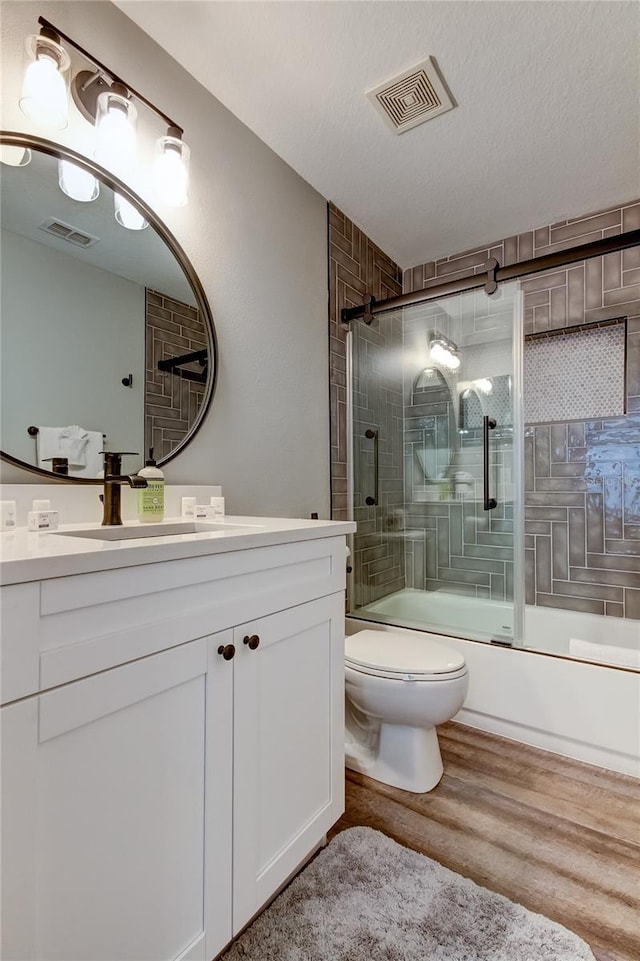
[(116, 133), (15, 156), (127, 215), (484, 385), (171, 171), (76, 183), (44, 97)]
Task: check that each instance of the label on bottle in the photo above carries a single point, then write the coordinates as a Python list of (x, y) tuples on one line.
[(151, 499)]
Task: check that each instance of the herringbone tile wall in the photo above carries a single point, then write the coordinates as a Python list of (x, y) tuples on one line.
[(171, 404), (358, 267)]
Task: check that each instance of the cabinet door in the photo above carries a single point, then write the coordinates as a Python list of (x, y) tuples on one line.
[(103, 813), (288, 745)]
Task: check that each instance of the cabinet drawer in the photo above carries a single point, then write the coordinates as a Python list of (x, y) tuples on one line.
[(70, 627)]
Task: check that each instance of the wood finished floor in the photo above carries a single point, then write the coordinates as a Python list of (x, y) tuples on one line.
[(560, 837)]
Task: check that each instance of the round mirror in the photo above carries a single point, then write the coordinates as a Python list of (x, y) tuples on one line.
[(107, 340)]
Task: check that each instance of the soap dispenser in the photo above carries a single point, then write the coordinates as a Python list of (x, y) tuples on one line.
[(151, 497)]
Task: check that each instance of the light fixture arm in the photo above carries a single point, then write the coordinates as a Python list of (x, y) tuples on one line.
[(102, 71)]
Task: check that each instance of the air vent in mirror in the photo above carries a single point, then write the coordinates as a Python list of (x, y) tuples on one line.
[(57, 228)]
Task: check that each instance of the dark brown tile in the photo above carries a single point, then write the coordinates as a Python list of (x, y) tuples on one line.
[(612, 271), (612, 609), (543, 564), (589, 575), (581, 604), (558, 310), (578, 228), (631, 217), (632, 603), (593, 283), (559, 551), (595, 591)]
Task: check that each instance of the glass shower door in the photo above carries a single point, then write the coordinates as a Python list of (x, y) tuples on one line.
[(436, 454)]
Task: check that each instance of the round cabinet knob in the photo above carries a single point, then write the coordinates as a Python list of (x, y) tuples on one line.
[(251, 642), (227, 650)]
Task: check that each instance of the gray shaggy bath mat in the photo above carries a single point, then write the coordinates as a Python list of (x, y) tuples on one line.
[(366, 898)]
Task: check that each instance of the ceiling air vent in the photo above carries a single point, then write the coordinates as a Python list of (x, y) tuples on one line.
[(57, 228), (417, 95)]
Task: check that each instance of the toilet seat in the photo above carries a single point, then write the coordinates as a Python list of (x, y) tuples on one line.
[(402, 657)]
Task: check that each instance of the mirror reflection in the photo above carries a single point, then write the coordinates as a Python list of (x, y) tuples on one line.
[(432, 405), (103, 342)]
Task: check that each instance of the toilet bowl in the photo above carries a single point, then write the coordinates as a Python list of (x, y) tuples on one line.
[(398, 688)]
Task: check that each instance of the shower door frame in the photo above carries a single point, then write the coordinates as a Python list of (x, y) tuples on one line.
[(515, 639), (491, 279)]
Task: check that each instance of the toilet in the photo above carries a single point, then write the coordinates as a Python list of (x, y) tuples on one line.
[(398, 688)]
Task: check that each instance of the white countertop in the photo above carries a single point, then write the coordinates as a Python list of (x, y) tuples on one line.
[(32, 556)]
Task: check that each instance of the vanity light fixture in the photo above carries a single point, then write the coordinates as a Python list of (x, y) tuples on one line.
[(444, 352), (171, 169), (105, 100), (44, 87), (116, 138)]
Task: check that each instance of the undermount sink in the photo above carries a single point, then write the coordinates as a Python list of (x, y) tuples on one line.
[(130, 532)]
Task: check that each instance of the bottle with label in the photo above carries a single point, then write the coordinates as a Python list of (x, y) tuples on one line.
[(151, 497)]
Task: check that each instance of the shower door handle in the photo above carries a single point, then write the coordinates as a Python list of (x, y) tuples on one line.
[(488, 423), (372, 434)]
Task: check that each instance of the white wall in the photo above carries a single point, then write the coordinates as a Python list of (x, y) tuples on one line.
[(256, 234), (62, 361)]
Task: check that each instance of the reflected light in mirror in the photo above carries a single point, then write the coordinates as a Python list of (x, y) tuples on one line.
[(14, 156), (127, 215), (76, 183), (443, 356)]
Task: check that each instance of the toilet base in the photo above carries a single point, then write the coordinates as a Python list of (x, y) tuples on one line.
[(405, 757)]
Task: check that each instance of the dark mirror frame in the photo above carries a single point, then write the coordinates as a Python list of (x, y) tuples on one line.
[(60, 152)]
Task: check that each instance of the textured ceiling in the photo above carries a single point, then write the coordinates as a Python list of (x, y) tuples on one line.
[(547, 124)]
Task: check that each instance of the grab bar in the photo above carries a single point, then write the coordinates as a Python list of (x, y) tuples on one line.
[(372, 434), (488, 423)]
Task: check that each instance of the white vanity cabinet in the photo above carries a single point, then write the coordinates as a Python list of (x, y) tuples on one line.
[(151, 806)]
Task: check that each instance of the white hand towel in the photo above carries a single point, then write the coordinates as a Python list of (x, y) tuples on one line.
[(81, 448), (76, 440), (94, 462), (66, 442)]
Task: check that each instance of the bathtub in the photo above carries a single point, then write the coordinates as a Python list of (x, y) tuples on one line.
[(590, 637), (586, 708)]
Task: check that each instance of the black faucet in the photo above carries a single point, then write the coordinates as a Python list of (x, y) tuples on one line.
[(112, 482)]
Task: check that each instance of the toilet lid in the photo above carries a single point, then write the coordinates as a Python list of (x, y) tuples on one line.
[(401, 653)]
